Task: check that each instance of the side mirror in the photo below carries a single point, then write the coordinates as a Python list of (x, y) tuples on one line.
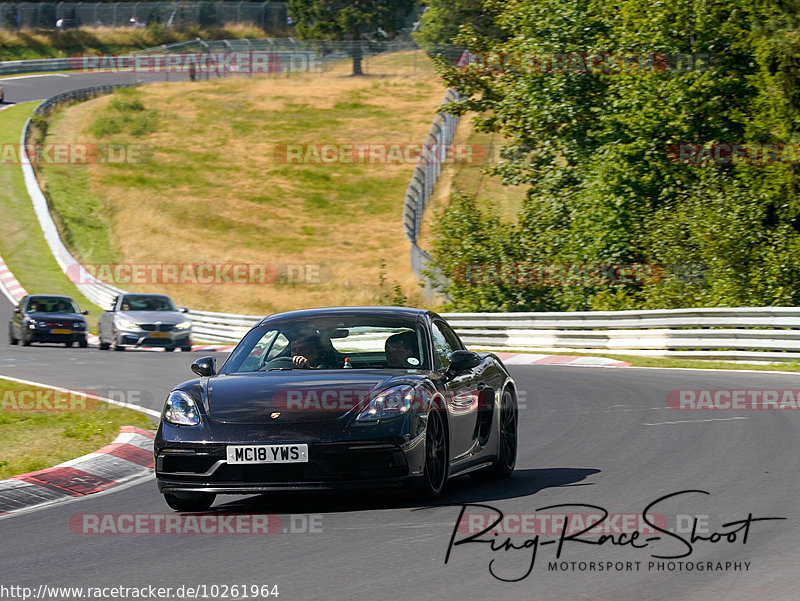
[(461, 361), (205, 367), (84, 313)]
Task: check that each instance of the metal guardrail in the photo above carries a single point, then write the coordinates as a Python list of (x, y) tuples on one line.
[(739, 333), (272, 16), (424, 178)]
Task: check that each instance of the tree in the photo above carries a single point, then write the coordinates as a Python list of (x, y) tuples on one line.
[(442, 19), (592, 140), (348, 20)]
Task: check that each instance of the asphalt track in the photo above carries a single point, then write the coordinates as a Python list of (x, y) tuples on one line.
[(597, 436)]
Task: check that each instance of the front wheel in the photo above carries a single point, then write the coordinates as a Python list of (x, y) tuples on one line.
[(83, 343), (117, 343), (198, 501), (68, 344), (11, 340), (437, 461)]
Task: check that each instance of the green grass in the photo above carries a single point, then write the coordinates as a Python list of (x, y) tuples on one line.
[(34, 440), (492, 196), (22, 244)]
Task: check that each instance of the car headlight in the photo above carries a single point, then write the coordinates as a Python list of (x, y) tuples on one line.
[(392, 402), (79, 325), (125, 324), (41, 324), (181, 410), (184, 325)]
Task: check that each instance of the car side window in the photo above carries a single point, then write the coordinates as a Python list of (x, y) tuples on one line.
[(442, 347)]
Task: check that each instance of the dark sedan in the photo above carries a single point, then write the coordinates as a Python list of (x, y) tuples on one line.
[(337, 398), (48, 318)]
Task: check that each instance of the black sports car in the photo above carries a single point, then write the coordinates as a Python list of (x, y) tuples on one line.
[(337, 397), (48, 318)]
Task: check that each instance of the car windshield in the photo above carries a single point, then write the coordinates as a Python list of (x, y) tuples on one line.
[(330, 343), (146, 303), (50, 304)]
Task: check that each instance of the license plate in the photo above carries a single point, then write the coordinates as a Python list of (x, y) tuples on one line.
[(159, 335), (268, 453), (60, 331)]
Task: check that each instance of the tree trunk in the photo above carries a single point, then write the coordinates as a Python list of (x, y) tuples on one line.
[(357, 56)]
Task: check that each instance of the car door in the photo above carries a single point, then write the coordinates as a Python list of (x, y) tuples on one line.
[(16, 319), (462, 391)]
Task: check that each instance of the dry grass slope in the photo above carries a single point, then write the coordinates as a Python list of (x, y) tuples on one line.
[(213, 190)]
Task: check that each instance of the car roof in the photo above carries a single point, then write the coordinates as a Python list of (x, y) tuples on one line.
[(33, 296), (144, 294), (407, 312)]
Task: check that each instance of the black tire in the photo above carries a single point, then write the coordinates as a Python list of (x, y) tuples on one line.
[(171, 349), (187, 348), (83, 343), (437, 458), (68, 344), (11, 340), (117, 345), (503, 466), (104, 346), (199, 501), (25, 340)]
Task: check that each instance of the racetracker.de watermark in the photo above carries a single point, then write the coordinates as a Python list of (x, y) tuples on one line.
[(732, 153), (339, 399), (608, 63), (48, 400), (729, 399), (198, 62), (198, 273), (182, 524), (74, 154), (574, 274), (381, 153)]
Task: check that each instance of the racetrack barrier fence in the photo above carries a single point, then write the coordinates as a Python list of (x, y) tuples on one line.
[(423, 180)]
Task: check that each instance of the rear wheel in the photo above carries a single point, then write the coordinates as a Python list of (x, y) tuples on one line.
[(437, 462), (196, 501)]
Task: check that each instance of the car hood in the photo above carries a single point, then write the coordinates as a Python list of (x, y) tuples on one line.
[(55, 316), (172, 317), (296, 395)]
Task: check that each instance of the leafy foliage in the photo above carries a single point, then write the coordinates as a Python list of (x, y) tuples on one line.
[(592, 139)]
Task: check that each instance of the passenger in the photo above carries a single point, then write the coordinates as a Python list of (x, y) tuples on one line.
[(399, 349)]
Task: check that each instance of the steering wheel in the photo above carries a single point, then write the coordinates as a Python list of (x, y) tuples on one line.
[(278, 362)]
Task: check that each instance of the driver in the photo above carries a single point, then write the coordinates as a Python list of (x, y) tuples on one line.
[(399, 349), (307, 353)]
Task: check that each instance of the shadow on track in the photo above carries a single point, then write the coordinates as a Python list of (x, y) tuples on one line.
[(524, 483)]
